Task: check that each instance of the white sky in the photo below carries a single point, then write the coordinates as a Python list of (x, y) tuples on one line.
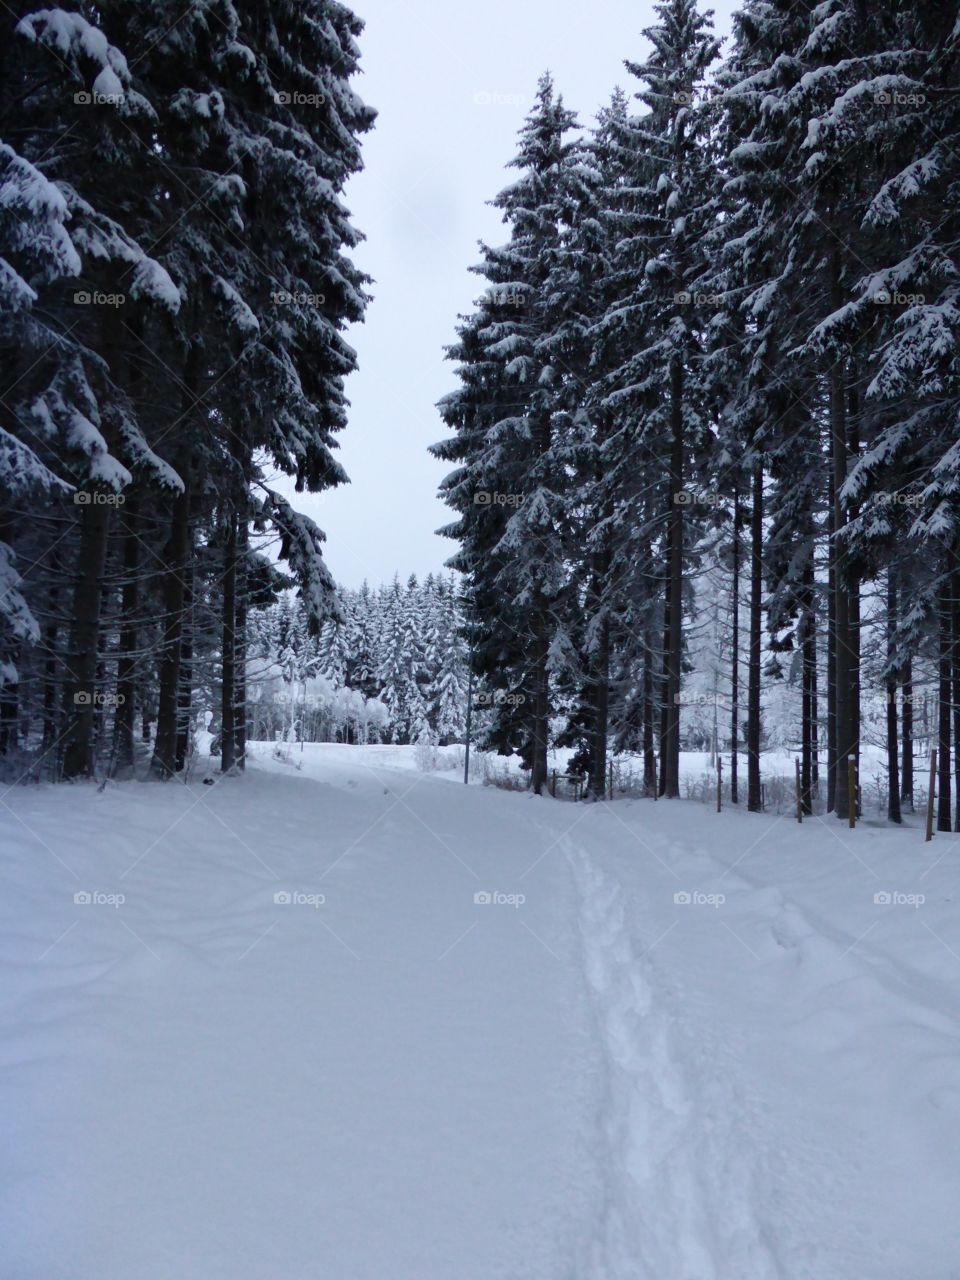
[(452, 81)]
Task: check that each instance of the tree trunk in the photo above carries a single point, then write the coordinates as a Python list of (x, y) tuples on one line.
[(674, 656), (893, 779), (649, 754), (124, 717), (164, 761), (228, 702), (754, 793), (735, 649), (541, 707), (906, 772), (843, 646), (84, 643), (240, 675), (955, 664), (174, 586), (600, 689), (808, 654), (945, 671)]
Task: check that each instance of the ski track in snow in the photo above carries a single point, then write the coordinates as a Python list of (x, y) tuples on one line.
[(679, 1201)]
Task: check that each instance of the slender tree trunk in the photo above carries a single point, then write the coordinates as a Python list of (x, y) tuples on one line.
[(541, 705), (735, 648), (600, 690), (649, 754), (674, 656), (185, 677), (945, 671), (124, 717), (808, 652), (664, 687), (164, 761), (84, 643), (831, 651), (906, 772), (228, 703), (240, 675), (51, 703), (893, 779), (843, 643), (955, 664), (754, 793)]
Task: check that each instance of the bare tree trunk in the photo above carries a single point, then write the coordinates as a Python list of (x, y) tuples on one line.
[(240, 676), (906, 771), (955, 664), (735, 647), (123, 720), (945, 671), (228, 702), (754, 793), (649, 754), (174, 586), (164, 761), (893, 778), (600, 690), (674, 655), (84, 643), (541, 704), (843, 641), (808, 653)]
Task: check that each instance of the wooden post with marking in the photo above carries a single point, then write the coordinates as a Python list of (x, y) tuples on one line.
[(799, 799), (851, 791)]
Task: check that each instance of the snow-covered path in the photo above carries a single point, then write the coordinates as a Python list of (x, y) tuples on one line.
[(598, 1082)]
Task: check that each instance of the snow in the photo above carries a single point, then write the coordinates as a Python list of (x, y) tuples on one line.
[(383, 1077)]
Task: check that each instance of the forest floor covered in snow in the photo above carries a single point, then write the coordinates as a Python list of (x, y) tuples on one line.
[(348, 1020)]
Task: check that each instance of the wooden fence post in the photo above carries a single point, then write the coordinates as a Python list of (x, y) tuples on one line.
[(799, 802), (851, 791), (610, 796)]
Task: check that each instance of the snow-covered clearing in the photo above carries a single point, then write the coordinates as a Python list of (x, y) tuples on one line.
[(675, 1045)]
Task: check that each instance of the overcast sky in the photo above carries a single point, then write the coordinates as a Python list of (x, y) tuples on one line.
[(452, 82)]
